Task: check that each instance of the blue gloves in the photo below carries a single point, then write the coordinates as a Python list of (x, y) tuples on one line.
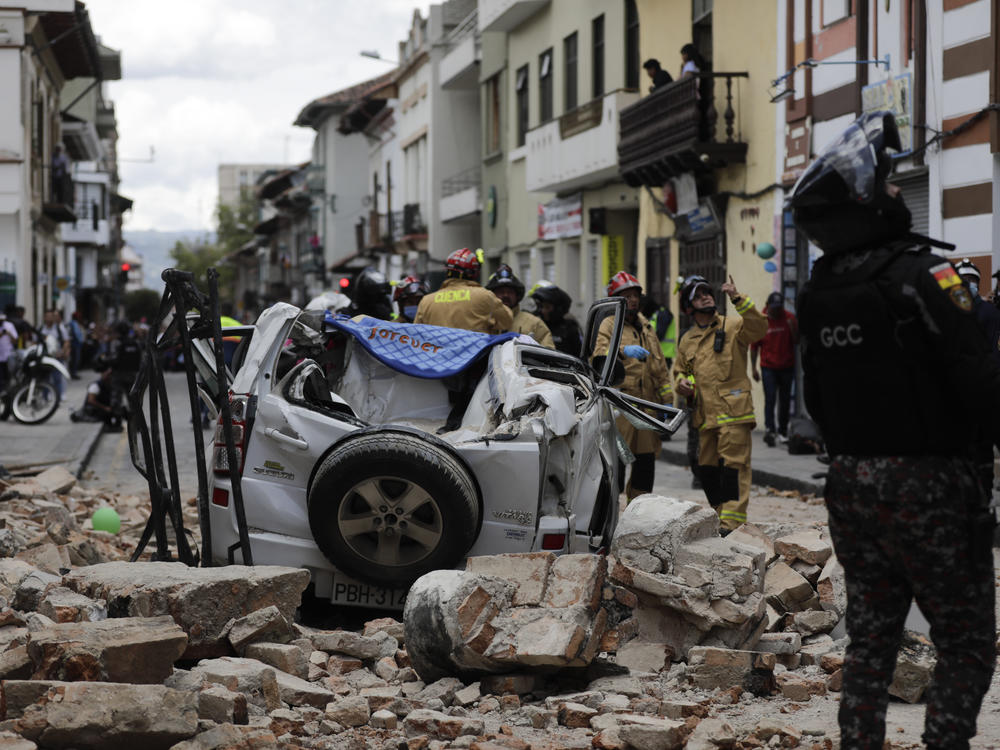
[(636, 352)]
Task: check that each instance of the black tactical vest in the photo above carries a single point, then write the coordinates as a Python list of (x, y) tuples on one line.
[(873, 379)]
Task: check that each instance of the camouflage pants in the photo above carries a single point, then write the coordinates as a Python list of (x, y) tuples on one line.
[(908, 527)]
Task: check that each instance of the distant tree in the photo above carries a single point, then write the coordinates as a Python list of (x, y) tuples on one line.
[(142, 303), (234, 227), (197, 256)]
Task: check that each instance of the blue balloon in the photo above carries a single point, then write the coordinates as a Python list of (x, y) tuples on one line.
[(770, 266)]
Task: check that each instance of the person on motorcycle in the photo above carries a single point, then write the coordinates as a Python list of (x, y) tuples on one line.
[(509, 290), (552, 306), (407, 295)]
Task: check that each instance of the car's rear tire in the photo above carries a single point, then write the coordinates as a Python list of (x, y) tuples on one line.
[(388, 507)]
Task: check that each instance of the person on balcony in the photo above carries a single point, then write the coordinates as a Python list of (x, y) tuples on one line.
[(659, 75), (62, 186), (693, 65)]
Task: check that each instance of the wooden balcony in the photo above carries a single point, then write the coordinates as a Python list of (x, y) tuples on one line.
[(674, 130)]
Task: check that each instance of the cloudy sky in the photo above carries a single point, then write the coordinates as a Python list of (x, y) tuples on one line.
[(218, 81)]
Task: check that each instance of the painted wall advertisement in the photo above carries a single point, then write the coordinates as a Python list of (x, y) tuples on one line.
[(561, 217), (612, 254)]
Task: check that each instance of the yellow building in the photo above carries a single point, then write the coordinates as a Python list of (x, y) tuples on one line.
[(705, 153)]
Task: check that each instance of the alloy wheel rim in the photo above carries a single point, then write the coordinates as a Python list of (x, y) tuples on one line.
[(390, 521)]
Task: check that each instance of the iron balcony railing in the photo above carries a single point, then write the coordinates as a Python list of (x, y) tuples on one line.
[(463, 180)]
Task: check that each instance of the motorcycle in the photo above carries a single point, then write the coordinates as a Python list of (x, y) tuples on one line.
[(31, 394)]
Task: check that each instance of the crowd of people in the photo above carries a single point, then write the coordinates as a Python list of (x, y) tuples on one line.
[(110, 349)]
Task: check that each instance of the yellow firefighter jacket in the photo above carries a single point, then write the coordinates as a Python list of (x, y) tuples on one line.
[(648, 379), (722, 387), (525, 322), (462, 303)]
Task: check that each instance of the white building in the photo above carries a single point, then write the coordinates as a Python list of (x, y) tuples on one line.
[(36, 187), (238, 180)]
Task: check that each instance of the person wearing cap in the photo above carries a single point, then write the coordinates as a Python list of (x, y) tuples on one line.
[(509, 290), (987, 316), (711, 366), (646, 376), (461, 302), (777, 361)]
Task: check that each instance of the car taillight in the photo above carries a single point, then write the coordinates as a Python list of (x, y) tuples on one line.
[(553, 541), (220, 458), (220, 497)]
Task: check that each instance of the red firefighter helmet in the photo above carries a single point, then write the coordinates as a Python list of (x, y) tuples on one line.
[(621, 281), (463, 262), (410, 286)]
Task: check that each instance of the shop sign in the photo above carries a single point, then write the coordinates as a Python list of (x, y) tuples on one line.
[(561, 217)]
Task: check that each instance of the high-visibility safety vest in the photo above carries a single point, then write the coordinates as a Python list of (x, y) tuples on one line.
[(668, 344)]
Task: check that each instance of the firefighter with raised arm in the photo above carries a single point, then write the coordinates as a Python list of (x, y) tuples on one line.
[(461, 302), (509, 289), (897, 376), (646, 376), (711, 366)]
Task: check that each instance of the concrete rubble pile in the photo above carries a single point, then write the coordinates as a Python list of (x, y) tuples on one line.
[(547, 652)]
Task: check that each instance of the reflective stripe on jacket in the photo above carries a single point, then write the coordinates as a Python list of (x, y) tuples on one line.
[(461, 303)]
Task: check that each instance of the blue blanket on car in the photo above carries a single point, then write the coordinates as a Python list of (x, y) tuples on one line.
[(420, 350)]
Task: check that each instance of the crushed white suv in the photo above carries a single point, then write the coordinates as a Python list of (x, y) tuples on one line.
[(342, 470)]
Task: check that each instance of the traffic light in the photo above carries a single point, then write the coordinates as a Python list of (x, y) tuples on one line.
[(345, 285), (123, 274)]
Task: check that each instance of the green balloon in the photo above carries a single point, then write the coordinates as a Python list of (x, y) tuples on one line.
[(106, 519), (765, 250)]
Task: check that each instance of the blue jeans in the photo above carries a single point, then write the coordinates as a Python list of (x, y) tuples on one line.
[(777, 384)]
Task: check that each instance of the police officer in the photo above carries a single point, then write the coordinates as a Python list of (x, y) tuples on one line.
[(646, 377), (711, 366), (888, 328), (987, 316), (407, 295), (509, 290), (371, 295), (552, 306), (462, 302)]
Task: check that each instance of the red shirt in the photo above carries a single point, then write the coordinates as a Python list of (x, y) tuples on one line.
[(777, 348)]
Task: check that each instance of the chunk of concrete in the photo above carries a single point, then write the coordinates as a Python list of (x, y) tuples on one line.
[(807, 546), (645, 657), (201, 600), (575, 580), (652, 733), (350, 712), (56, 480), (222, 705), (62, 605), (785, 589), (831, 586), (425, 722), (134, 650), (529, 572), (109, 716), (258, 681), (348, 643), (711, 668), (915, 664), (263, 625), (653, 527), (281, 656)]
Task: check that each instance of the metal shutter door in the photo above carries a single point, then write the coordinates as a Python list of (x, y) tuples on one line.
[(914, 187)]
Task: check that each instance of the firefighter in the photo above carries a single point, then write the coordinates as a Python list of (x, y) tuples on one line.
[(896, 375), (407, 295), (646, 377), (711, 366), (509, 290), (461, 302)]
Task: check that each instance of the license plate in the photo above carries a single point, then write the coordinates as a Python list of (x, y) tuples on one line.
[(354, 593)]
